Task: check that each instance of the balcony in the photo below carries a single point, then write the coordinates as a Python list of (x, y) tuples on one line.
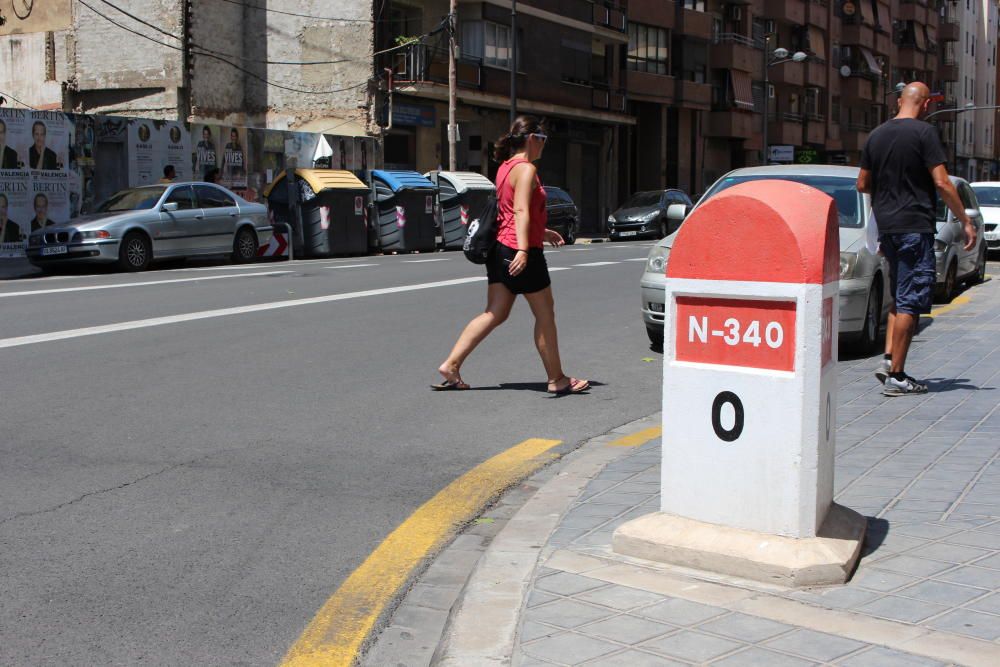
[(421, 63), (657, 87), (792, 11), (785, 129), (854, 137), (909, 57), (737, 52), (696, 24), (883, 44), (609, 15), (732, 124), (652, 12), (857, 34), (696, 95), (858, 88), (606, 99), (816, 130), (792, 74), (819, 15), (949, 30), (947, 71), (911, 11), (817, 73)]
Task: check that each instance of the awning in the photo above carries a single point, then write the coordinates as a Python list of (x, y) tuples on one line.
[(918, 37), (867, 12), (817, 43), (339, 127), (742, 89), (873, 66)]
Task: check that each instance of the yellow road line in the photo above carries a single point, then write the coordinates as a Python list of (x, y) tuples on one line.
[(948, 307), (638, 438), (340, 628)]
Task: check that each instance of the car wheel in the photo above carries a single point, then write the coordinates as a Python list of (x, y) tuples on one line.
[(980, 275), (245, 246), (663, 229), (570, 237), (655, 336), (945, 292), (873, 319), (135, 252)]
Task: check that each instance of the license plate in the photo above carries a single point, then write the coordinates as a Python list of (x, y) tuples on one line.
[(632, 233), (55, 250)]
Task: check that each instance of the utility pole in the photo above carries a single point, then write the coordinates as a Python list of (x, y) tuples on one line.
[(513, 60), (452, 84)]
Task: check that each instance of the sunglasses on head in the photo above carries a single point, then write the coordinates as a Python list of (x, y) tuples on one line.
[(541, 136)]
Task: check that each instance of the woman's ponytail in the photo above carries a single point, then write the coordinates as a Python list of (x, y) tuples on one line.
[(503, 148), (514, 140)]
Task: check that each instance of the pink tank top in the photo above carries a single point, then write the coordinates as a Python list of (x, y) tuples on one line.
[(506, 228)]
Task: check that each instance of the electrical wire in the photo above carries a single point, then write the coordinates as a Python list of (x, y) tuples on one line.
[(287, 13), (208, 54), (27, 106)]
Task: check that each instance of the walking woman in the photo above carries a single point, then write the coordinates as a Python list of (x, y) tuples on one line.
[(517, 263)]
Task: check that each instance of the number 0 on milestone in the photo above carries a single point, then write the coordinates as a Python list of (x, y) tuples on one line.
[(736, 332)]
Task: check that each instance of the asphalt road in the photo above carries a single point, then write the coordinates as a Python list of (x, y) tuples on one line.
[(190, 489)]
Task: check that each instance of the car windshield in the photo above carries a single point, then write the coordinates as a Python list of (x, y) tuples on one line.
[(643, 199), (131, 200), (987, 196), (841, 189)]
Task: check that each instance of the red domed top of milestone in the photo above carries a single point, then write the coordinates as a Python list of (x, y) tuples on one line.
[(761, 231)]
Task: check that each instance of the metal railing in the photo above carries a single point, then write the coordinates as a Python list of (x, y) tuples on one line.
[(736, 38), (792, 117)]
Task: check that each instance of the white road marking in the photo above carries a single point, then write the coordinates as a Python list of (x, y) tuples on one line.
[(423, 261), (558, 268), (86, 288), (635, 259), (580, 249), (224, 312), (597, 264), (348, 266)]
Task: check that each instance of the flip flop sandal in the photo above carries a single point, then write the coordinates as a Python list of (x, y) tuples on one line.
[(450, 385), (574, 386)]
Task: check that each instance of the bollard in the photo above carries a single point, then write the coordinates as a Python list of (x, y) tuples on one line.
[(749, 394)]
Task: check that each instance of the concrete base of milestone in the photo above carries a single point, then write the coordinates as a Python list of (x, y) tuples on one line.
[(828, 558)]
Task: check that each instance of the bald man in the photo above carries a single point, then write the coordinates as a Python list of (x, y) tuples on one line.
[(902, 168)]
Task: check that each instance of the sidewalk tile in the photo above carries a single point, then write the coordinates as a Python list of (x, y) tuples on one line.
[(993, 562), (882, 581), (839, 597), (632, 658), (970, 575), (681, 612), (913, 565), (567, 613), (902, 609), (621, 598), (942, 593), (885, 657), (538, 597), (744, 627), (567, 583), (989, 604), (531, 631), (951, 553), (569, 648), (971, 623), (759, 657), (815, 645), (692, 646), (627, 629), (599, 509)]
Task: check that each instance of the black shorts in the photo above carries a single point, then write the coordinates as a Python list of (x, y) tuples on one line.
[(534, 278), (912, 270)]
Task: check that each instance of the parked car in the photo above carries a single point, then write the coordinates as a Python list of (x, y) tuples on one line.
[(645, 214), (988, 195), (564, 217), (864, 283), (955, 264), (138, 225)]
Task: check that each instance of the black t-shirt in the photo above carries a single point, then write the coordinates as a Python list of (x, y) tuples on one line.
[(900, 154)]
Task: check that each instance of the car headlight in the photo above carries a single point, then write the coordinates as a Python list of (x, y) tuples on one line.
[(611, 219), (939, 245), (848, 262), (652, 216), (89, 235), (657, 260)]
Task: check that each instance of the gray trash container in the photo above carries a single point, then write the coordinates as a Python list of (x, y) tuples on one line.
[(461, 196)]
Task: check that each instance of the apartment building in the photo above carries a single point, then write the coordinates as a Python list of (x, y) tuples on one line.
[(237, 63), (977, 72)]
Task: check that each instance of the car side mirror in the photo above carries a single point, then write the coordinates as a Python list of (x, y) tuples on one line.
[(972, 212), (677, 212), (169, 207)]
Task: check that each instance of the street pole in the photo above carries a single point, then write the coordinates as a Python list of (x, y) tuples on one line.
[(513, 61), (767, 88), (452, 85)]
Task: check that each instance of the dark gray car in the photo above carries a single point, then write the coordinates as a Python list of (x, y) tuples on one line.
[(645, 215), (136, 226)]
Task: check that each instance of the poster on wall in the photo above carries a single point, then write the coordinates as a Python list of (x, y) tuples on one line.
[(154, 144), (220, 154), (34, 175)]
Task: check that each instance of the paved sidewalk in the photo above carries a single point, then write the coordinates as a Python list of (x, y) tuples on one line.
[(11, 269), (927, 590)]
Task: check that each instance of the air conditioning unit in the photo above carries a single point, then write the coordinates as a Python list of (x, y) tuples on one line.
[(735, 12)]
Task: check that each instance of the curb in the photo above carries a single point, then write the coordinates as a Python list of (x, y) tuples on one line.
[(419, 629), (586, 241)]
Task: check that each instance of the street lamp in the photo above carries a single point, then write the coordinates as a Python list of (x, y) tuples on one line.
[(780, 55)]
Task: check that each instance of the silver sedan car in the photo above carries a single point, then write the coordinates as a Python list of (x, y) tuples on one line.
[(864, 277), (955, 264), (136, 226)]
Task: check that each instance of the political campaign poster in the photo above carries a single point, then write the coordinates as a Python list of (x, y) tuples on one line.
[(233, 166), (153, 145), (206, 151)]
